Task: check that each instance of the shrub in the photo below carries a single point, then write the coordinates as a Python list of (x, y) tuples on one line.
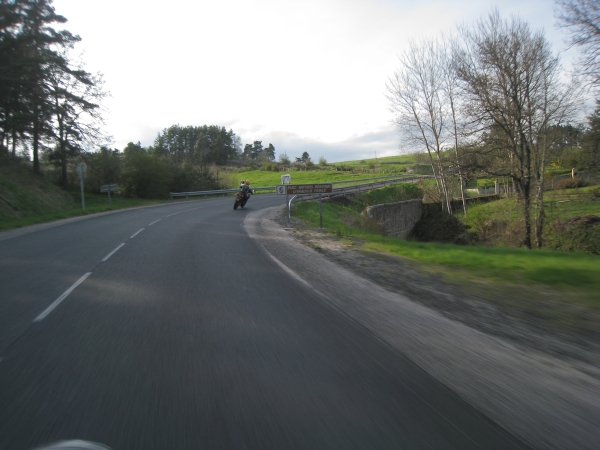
[(575, 234), (440, 227), (269, 167), (570, 183)]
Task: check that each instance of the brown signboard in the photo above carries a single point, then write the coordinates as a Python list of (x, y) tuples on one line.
[(300, 189)]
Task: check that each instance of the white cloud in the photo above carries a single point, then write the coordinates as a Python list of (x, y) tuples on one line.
[(300, 74)]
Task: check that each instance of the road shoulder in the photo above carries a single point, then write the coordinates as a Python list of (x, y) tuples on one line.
[(544, 400)]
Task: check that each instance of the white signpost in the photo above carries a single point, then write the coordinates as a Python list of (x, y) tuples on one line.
[(281, 190), (109, 188), (81, 168)]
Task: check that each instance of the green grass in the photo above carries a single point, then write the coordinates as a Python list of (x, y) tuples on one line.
[(263, 178), (93, 204), (390, 194), (546, 268), (400, 159)]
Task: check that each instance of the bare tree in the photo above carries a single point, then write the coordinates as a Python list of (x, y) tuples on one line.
[(451, 86), (582, 19), (513, 88), (418, 100)]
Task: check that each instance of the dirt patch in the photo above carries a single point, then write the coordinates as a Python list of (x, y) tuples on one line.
[(535, 318)]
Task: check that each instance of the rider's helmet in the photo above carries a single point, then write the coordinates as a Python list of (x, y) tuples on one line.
[(247, 182)]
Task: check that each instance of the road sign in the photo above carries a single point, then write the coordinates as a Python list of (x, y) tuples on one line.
[(109, 188), (81, 168), (301, 189), (286, 179), (280, 190)]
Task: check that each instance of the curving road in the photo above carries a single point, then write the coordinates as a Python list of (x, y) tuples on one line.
[(180, 332)]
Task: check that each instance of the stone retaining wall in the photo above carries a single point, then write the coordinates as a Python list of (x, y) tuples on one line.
[(398, 219)]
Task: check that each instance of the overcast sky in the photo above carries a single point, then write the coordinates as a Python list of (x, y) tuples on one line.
[(303, 75)]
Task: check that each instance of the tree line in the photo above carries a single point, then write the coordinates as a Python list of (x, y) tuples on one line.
[(181, 159), (48, 101), (50, 111), (493, 100)]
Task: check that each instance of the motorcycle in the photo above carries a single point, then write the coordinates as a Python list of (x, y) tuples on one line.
[(240, 201)]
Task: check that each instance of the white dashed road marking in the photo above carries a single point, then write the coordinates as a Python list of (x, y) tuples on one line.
[(136, 233), (113, 252), (57, 302)]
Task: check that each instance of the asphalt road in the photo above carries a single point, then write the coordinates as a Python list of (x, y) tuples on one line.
[(189, 336)]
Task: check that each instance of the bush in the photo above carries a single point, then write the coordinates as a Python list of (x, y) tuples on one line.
[(575, 234), (269, 167), (570, 183), (440, 227)]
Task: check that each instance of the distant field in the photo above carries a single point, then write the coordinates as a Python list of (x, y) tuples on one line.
[(400, 159), (262, 178)]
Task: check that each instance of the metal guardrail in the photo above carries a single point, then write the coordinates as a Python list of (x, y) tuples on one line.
[(359, 188), (394, 178)]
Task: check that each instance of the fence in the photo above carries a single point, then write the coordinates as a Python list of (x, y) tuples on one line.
[(377, 182)]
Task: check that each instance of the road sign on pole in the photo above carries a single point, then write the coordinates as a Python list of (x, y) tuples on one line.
[(286, 179), (109, 188), (303, 189), (81, 168)]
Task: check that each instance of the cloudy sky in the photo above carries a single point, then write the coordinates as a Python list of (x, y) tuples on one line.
[(304, 75)]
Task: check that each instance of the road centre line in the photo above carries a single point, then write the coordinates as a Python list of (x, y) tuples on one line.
[(154, 222), (113, 252), (174, 214), (57, 302), (136, 233)]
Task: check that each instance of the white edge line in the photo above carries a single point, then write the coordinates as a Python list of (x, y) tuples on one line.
[(56, 302), (113, 252), (136, 233), (154, 222)]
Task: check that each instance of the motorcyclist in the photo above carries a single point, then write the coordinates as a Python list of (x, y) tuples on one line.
[(246, 189)]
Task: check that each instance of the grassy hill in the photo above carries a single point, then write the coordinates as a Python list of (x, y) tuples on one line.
[(23, 195), (26, 199)]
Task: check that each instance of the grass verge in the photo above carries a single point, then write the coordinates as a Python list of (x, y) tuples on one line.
[(93, 204), (557, 270)]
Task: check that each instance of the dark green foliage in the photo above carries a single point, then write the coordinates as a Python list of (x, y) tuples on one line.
[(440, 227), (189, 178), (46, 101), (591, 141), (207, 144), (257, 152), (575, 234), (103, 167), (145, 175)]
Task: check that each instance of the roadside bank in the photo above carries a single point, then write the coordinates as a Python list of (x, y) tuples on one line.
[(547, 401)]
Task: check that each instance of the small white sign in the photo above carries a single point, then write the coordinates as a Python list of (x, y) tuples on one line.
[(286, 179), (81, 168), (281, 190)]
